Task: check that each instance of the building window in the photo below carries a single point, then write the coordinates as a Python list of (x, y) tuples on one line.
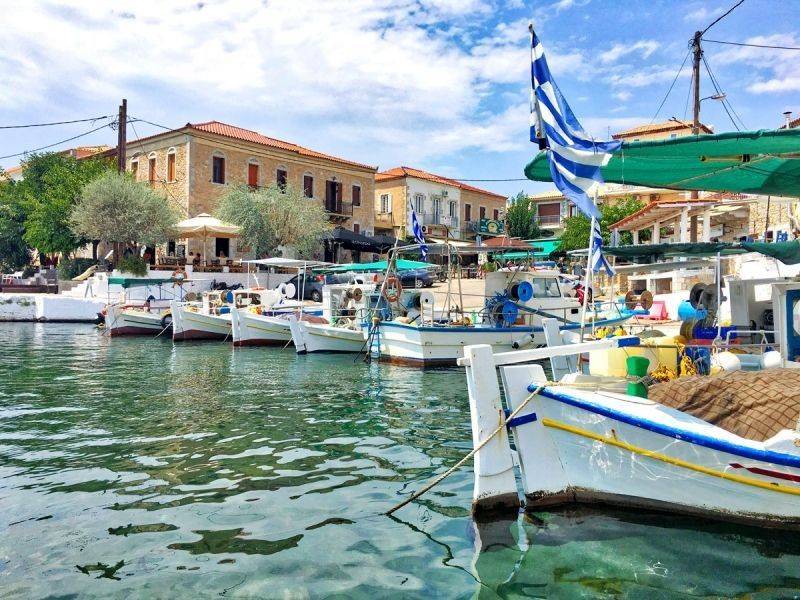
[(482, 212), (386, 203), (437, 206), (356, 195), (308, 186), (151, 169), (356, 228), (468, 212), (135, 169), (171, 165), (496, 214), (280, 178), (252, 175), (222, 248), (453, 209), (550, 213), (218, 170), (419, 203)]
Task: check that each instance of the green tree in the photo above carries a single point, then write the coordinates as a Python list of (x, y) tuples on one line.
[(14, 252), (577, 228), (116, 209), (275, 216), (521, 218), (50, 187)]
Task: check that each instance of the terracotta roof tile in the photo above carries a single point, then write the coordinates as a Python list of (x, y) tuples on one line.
[(657, 127), (399, 172), (254, 137)]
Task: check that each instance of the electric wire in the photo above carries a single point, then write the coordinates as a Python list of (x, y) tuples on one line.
[(80, 135), (725, 99), (753, 45), (91, 120), (672, 85), (720, 93), (722, 16)]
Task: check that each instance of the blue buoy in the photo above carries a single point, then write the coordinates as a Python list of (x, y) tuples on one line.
[(687, 312), (229, 297), (525, 291), (510, 312)]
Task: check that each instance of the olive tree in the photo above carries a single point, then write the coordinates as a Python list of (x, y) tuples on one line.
[(275, 216), (116, 209)]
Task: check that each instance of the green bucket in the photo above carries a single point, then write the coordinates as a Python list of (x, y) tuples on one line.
[(637, 368)]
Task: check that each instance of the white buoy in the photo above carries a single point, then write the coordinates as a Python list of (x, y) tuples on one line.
[(771, 360), (725, 362)]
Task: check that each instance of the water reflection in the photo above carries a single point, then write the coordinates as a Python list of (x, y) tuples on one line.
[(141, 468)]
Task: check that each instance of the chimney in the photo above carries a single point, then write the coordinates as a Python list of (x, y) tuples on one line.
[(787, 115)]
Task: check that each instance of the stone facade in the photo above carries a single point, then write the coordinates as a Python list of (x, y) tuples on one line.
[(194, 191)]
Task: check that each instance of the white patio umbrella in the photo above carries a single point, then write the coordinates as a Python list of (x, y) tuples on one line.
[(205, 226)]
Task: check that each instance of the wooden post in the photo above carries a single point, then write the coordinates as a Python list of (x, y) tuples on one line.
[(495, 484), (122, 130)]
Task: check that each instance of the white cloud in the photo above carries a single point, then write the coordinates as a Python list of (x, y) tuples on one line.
[(623, 96), (293, 66), (617, 51), (702, 14), (770, 71)]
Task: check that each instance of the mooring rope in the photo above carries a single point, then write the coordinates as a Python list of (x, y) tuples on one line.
[(456, 466)]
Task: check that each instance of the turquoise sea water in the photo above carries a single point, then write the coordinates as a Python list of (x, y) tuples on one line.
[(138, 468)]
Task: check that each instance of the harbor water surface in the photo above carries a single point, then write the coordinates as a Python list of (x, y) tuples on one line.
[(138, 468)]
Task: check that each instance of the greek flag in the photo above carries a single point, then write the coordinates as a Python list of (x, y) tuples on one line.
[(596, 258), (416, 229), (575, 158)]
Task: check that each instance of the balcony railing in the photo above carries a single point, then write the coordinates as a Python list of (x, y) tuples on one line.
[(549, 220), (339, 208), (440, 219), (384, 218)]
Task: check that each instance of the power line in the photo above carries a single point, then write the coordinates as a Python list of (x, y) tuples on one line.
[(726, 103), (753, 45), (56, 143), (722, 16), (93, 119), (672, 85)]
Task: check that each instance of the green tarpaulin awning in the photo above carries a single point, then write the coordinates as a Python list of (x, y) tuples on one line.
[(786, 252), (402, 265), (756, 162), (128, 282)]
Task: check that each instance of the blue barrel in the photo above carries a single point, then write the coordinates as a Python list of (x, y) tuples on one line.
[(687, 312)]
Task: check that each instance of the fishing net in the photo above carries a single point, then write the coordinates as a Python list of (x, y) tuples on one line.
[(752, 404)]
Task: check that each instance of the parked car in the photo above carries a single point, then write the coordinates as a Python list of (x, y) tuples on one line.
[(311, 285), (417, 278)]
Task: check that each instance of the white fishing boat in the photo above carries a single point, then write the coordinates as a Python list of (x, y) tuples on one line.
[(345, 308), (514, 304), (267, 324), (149, 316), (584, 439), (210, 318)]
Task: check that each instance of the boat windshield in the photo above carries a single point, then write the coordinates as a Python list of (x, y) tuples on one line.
[(546, 287)]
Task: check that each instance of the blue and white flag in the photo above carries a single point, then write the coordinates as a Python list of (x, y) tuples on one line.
[(575, 158), (416, 229), (596, 258)]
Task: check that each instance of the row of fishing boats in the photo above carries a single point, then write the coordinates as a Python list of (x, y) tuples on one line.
[(373, 314)]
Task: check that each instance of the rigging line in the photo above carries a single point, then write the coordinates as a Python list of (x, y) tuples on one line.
[(56, 143), (722, 16), (753, 45), (719, 93), (93, 119), (716, 83), (678, 74)]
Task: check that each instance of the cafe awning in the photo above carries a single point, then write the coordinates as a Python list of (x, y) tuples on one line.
[(350, 240)]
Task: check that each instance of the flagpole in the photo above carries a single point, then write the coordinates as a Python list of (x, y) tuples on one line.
[(586, 279)]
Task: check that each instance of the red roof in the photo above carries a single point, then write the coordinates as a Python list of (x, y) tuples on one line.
[(245, 135), (400, 172), (248, 135)]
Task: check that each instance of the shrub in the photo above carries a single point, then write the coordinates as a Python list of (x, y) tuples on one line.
[(133, 264), (67, 269)]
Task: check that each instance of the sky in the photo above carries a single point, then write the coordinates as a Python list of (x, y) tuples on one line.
[(441, 85)]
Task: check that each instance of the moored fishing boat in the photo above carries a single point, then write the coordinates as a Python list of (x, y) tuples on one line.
[(150, 316), (210, 318)]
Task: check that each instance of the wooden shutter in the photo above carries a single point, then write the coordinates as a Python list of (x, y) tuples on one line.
[(171, 167), (356, 195), (252, 175)]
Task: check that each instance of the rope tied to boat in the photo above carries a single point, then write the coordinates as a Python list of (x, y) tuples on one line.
[(474, 451)]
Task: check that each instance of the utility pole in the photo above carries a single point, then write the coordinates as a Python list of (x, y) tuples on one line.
[(122, 130), (697, 52)]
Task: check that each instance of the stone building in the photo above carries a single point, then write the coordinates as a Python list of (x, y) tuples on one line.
[(195, 165), (443, 205)]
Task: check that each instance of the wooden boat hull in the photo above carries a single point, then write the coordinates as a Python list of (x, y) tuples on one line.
[(190, 325), (580, 445), (251, 329), (318, 337), (132, 321)]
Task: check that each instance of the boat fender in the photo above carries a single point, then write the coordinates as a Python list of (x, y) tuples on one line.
[(166, 320), (725, 362), (229, 297), (771, 360), (522, 342)]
